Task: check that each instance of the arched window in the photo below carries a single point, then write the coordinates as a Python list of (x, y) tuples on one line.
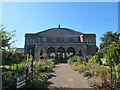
[(70, 51), (51, 52)]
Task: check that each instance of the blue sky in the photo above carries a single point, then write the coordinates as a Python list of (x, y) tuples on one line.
[(86, 17)]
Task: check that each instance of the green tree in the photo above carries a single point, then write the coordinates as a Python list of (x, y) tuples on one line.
[(6, 37), (107, 39), (9, 56), (113, 54)]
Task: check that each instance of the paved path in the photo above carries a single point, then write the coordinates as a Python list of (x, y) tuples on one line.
[(65, 77)]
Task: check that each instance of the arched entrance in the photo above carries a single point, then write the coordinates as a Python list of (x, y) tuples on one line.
[(51, 52), (80, 52), (61, 54), (70, 51), (41, 52)]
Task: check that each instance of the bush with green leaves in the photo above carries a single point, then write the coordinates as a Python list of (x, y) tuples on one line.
[(75, 59), (113, 54), (96, 59), (87, 73), (103, 72), (81, 68), (95, 82), (118, 72), (45, 66), (37, 83), (11, 57)]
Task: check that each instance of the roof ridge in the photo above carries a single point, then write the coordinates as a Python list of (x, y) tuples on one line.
[(60, 28)]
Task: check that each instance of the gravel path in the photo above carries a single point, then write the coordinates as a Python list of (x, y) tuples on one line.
[(65, 77)]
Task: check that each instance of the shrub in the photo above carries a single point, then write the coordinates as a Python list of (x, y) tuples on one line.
[(11, 57), (92, 67), (46, 65), (75, 59), (87, 73), (45, 55), (87, 78), (118, 71), (103, 73), (81, 68), (37, 83), (72, 60), (95, 82), (96, 59)]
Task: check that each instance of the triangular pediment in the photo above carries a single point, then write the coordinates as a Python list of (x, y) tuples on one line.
[(60, 32)]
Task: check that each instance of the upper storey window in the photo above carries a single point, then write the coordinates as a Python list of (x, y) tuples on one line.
[(28, 41), (89, 41), (44, 39), (54, 39), (39, 39), (92, 42), (33, 40), (76, 39), (66, 39), (86, 40)]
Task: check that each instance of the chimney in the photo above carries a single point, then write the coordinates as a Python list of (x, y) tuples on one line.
[(59, 26)]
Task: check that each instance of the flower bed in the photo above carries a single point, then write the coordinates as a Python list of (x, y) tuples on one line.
[(98, 76)]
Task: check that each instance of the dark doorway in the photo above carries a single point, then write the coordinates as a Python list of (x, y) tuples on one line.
[(61, 54), (41, 52), (80, 52)]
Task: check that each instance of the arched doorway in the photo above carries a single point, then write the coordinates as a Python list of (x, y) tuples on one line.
[(61, 54), (80, 52), (41, 52), (51, 52), (70, 51)]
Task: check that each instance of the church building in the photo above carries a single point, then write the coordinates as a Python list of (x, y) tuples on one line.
[(60, 42)]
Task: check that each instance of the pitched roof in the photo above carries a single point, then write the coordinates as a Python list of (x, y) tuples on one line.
[(59, 32)]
